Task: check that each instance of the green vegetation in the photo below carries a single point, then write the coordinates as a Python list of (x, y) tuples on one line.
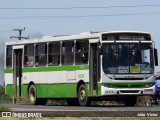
[(142, 101), (4, 108), (3, 97)]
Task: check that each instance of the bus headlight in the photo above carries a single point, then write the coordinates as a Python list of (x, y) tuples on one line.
[(107, 85), (147, 85)]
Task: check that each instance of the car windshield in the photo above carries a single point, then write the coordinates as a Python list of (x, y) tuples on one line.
[(127, 58)]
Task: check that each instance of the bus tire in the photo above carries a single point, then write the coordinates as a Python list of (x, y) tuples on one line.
[(130, 101), (32, 96), (83, 96)]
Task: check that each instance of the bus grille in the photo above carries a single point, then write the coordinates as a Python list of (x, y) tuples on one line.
[(129, 91), (128, 78), (131, 86)]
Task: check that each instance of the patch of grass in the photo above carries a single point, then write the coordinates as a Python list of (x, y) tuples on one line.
[(4, 108), (3, 97), (57, 102), (107, 103), (142, 100)]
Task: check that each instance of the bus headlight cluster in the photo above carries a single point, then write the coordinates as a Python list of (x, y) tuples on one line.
[(149, 85), (107, 85)]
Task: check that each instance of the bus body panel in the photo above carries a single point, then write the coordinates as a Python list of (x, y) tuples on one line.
[(44, 83)]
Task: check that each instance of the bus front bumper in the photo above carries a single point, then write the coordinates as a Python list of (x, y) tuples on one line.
[(127, 91)]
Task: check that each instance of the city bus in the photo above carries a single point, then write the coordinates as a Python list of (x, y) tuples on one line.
[(106, 65)]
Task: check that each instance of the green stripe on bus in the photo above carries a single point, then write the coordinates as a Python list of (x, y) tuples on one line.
[(51, 68), (9, 90), (8, 70), (130, 85)]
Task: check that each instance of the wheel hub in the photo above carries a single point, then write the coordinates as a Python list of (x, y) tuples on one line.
[(82, 95), (32, 96)]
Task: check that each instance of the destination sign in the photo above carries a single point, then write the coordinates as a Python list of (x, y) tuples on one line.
[(126, 36), (131, 37)]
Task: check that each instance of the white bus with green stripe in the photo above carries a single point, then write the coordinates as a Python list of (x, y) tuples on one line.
[(111, 65)]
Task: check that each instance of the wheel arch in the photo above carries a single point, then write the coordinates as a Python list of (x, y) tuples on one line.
[(79, 84), (31, 83)]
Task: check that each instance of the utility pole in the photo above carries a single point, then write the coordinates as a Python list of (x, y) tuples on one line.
[(20, 34)]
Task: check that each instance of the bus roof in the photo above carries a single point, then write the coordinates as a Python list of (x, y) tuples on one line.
[(85, 35)]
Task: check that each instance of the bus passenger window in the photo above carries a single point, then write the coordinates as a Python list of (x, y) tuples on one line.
[(81, 52), (29, 55), (67, 53), (41, 54), (9, 57), (54, 53)]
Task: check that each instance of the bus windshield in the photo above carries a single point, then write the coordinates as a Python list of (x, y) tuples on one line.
[(127, 58)]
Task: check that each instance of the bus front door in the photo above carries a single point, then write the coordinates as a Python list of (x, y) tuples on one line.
[(94, 70), (17, 72)]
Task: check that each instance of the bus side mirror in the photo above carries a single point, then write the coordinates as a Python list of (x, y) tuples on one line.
[(156, 57)]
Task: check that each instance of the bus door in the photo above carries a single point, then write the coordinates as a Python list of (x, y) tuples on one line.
[(17, 70), (94, 70)]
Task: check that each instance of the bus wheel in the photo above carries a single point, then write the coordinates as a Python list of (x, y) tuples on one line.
[(32, 94), (130, 101), (83, 97)]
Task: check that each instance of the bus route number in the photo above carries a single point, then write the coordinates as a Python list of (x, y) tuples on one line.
[(134, 69)]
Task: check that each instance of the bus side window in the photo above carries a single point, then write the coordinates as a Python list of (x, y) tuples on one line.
[(9, 57), (41, 54), (81, 52), (54, 53), (29, 55), (67, 53)]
